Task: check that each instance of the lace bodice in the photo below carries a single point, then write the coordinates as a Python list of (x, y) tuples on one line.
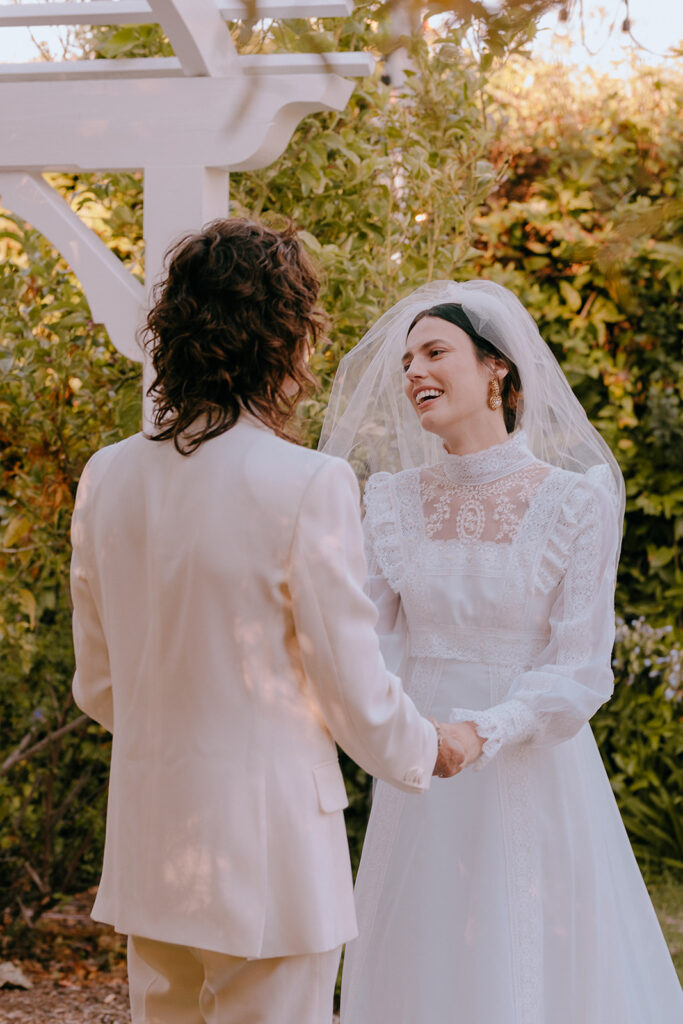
[(490, 511), (501, 559)]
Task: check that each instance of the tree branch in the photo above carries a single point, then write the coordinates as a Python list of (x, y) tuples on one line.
[(22, 753)]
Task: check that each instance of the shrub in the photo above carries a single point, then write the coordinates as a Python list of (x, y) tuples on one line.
[(640, 735), (65, 392)]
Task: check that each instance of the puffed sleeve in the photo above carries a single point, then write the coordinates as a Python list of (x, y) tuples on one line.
[(572, 677), (364, 705), (92, 687)]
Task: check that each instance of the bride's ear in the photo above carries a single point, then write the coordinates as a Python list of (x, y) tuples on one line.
[(497, 368)]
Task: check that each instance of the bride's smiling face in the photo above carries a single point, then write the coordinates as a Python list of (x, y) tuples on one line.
[(445, 381)]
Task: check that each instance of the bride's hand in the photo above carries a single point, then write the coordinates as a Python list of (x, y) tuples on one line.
[(459, 745), (465, 733)]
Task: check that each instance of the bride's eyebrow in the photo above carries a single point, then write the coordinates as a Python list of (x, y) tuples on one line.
[(408, 355)]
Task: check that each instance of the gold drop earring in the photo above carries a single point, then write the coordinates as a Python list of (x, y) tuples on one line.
[(495, 400)]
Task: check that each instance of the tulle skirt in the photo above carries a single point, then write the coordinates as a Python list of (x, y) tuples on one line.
[(508, 895)]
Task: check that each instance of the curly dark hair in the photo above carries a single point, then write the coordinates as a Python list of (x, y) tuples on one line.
[(231, 328), (511, 388)]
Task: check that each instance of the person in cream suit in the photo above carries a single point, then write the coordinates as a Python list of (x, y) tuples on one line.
[(223, 636)]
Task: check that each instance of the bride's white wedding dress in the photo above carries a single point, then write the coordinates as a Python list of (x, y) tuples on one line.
[(510, 894)]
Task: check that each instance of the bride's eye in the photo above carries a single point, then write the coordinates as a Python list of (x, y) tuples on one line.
[(436, 352)]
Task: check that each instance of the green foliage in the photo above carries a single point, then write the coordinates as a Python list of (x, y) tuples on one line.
[(114, 42), (64, 394), (585, 227), (359, 789), (640, 735)]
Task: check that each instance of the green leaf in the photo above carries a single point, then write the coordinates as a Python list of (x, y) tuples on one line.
[(16, 530), (27, 603), (570, 296)]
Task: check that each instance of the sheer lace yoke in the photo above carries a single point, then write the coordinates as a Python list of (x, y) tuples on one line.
[(477, 512), (483, 496)]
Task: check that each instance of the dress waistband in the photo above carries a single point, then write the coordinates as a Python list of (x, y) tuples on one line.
[(468, 643)]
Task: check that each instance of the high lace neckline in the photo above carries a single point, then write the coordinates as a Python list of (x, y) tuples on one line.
[(489, 464)]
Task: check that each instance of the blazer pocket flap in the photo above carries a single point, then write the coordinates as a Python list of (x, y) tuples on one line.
[(329, 783)]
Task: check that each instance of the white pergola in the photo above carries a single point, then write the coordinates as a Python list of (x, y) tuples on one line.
[(186, 121)]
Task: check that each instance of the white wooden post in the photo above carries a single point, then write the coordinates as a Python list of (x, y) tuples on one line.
[(177, 200)]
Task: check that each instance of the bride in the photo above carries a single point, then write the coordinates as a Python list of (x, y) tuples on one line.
[(509, 895)]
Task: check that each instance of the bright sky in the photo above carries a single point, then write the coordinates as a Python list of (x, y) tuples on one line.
[(656, 24)]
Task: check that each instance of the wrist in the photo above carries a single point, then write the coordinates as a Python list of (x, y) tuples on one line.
[(439, 745), (439, 734), (473, 742)]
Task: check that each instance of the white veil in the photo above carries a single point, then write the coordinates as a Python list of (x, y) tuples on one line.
[(371, 423)]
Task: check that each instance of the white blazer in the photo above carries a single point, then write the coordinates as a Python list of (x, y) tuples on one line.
[(223, 636)]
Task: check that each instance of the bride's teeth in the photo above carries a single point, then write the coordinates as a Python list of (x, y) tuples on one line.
[(424, 395)]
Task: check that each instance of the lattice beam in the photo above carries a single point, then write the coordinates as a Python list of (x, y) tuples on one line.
[(139, 12), (198, 34), (212, 122), (353, 64)]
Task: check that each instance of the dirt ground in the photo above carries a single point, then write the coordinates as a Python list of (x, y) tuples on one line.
[(101, 1002), (76, 969), (78, 975)]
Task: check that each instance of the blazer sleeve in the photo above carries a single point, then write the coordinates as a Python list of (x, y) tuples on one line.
[(572, 677), (92, 687), (364, 706)]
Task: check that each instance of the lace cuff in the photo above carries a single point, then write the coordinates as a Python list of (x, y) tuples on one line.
[(381, 529), (510, 722)]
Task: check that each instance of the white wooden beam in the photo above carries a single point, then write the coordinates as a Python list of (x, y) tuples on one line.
[(73, 70), (115, 297), (281, 9), (99, 12), (198, 34), (139, 12), (354, 64), (128, 124), (350, 64)]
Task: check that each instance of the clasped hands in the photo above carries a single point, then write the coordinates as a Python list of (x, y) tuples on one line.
[(459, 745)]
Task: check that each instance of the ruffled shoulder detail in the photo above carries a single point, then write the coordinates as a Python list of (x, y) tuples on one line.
[(381, 525), (602, 477), (579, 504)]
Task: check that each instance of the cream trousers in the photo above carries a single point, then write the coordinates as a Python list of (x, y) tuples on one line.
[(172, 984)]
